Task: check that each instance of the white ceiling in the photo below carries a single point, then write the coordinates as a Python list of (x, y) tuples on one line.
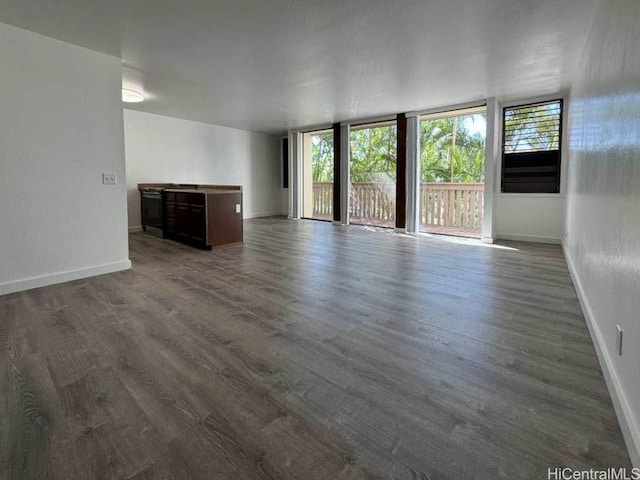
[(270, 65)]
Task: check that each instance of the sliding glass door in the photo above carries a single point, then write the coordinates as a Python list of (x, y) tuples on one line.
[(372, 174), (450, 168), (452, 149), (317, 175)]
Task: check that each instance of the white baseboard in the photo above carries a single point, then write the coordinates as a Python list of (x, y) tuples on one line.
[(136, 229), (262, 215), (528, 238), (488, 240), (51, 279), (628, 425)]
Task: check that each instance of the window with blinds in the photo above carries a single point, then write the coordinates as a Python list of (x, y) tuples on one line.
[(531, 142)]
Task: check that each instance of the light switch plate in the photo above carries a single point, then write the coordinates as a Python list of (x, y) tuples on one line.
[(238, 208), (619, 339), (109, 179)]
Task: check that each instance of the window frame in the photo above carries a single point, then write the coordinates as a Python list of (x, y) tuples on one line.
[(560, 182)]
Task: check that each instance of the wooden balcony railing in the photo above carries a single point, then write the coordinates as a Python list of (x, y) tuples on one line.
[(453, 208), (323, 200), (372, 204)]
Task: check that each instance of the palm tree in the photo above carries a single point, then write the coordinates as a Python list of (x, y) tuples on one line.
[(449, 152)]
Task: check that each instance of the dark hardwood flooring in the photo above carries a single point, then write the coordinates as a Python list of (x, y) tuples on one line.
[(311, 352)]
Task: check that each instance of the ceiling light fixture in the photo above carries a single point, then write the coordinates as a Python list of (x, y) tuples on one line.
[(132, 96)]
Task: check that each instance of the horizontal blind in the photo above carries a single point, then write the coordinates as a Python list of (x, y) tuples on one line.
[(532, 128)]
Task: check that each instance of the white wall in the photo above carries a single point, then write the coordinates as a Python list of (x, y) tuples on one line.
[(60, 129), (603, 212), (166, 149), (530, 217)]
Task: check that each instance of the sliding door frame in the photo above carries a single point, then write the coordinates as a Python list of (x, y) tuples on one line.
[(490, 161), (411, 175)]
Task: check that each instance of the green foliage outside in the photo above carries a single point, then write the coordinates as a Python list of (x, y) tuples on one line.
[(373, 154), (532, 128), (322, 157), (450, 152)]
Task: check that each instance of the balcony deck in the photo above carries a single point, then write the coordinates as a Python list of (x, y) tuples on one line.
[(453, 231), (445, 208)]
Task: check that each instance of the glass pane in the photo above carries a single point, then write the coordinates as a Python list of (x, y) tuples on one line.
[(532, 128), (452, 174), (372, 177), (317, 174)]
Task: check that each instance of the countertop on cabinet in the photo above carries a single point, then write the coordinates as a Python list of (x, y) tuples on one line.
[(192, 188), (207, 190)]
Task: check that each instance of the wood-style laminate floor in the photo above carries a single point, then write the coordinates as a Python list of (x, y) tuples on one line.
[(311, 352)]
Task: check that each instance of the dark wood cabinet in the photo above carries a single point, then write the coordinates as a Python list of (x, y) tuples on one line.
[(204, 218), (182, 220), (197, 223), (170, 216)]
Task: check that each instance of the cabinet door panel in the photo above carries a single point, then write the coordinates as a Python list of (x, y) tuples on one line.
[(197, 223), (170, 224), (182, 220), (196, 198), (169, 216)]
